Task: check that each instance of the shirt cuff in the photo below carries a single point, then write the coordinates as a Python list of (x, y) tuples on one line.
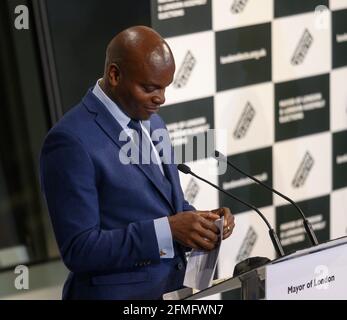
[(164, 238)]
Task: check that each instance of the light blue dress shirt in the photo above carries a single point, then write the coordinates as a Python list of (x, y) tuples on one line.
[(161, 225)]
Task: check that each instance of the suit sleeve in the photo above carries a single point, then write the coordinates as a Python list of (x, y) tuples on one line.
[(69, 184), (187, 206)]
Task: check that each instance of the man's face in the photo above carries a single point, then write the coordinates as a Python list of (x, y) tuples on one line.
[(141, 88)]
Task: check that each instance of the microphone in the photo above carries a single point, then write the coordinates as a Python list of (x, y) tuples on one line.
[(308, 227), (273, 235)]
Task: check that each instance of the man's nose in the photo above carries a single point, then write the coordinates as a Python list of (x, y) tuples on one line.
[(159, 97)]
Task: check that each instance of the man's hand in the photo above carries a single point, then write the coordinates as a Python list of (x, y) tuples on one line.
[(229, 221), (195, 229)]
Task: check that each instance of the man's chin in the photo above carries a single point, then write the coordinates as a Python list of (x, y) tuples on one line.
[(148, 113)]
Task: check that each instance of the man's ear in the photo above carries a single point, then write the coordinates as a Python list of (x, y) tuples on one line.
[(113, 74)]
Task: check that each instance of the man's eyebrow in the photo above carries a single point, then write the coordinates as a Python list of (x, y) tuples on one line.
[(151, 84)]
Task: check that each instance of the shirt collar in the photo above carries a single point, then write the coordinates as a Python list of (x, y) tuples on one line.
[(111, 106), (114, 109)]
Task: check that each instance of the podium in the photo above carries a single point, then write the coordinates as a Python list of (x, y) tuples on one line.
[(315, 273)]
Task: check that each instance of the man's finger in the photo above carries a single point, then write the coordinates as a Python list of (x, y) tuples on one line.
[(209, 215), (208, 234), (207, 224), (204, 244)]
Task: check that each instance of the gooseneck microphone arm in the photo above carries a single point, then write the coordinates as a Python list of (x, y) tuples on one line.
[(273, 235), (307, 225)]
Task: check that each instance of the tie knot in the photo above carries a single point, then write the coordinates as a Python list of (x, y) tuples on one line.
[(135, 125)]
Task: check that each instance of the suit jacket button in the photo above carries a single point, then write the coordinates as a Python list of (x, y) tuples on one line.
[(180, 266)]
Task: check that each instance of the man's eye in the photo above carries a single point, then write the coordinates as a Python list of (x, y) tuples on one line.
[(148, 89)]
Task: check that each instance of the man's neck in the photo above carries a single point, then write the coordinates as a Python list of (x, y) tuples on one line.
[(105, 88)]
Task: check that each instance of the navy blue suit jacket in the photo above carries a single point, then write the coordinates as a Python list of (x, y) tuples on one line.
[(102, 211)]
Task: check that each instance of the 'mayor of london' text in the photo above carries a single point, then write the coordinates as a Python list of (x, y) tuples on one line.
[(314, 283)]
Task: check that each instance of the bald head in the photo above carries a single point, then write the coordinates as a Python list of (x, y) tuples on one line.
[(136, 46), (139, 66)]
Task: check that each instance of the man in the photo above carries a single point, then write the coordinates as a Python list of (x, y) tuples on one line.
[(122, 229)]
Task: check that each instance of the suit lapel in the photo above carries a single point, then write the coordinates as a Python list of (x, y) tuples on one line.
[(113, 129), (170, 169)]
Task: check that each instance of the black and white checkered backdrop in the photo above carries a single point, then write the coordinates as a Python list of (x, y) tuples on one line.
[(273, 73)]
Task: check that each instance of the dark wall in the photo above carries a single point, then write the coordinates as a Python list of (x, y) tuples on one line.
[(80, 31)]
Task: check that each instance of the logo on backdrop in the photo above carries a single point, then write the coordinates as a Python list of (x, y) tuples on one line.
[(303, 171), (168, 9), (302, 48), (189, 124), (257, 163), (302, 107), (293, 109), (290, 228), (245, 121), (185, 70), (283, 8), (250, 60), (243, 56), (247, 245), (178, 17), (180, 131), (238, 6), (340, 160), (339, 38), (191, 191)]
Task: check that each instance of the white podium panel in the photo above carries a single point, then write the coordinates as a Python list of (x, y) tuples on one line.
[(316, 275)]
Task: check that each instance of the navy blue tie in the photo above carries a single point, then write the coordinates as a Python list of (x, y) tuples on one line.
[(142, 142), (145, 146)]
